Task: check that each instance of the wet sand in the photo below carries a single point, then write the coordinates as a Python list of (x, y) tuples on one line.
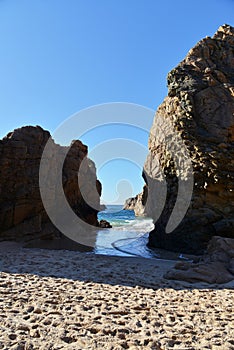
[(57, 299)]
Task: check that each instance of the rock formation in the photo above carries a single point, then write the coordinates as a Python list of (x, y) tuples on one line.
[(22, 215), (216, 266), (104, 224), (137, 203), (200, 107), (103, 207)]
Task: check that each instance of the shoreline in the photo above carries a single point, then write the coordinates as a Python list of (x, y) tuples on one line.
[(12, 252), (70, 245)]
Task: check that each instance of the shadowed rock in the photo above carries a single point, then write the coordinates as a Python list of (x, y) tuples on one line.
[(200, 108), (216, 266), (104, 224), (22, 215)]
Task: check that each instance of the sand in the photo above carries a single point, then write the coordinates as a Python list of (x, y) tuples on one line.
[(52, 299)]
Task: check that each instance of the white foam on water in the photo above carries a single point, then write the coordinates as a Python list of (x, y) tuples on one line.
[(128, 235), (138, 225)]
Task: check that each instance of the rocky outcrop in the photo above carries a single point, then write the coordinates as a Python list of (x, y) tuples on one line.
[(137, 203), (104, 224), (216, 266), (22, 215), (103, 207), (200, 107)]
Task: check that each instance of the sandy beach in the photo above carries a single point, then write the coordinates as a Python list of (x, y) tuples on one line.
[(70, 300)]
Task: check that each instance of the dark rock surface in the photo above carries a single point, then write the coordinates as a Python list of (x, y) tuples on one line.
[(104, 224), (216, 266), (200, 106), (22, 215)]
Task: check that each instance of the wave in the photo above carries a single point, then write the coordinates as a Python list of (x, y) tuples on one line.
[(137, 225), (128, 236)]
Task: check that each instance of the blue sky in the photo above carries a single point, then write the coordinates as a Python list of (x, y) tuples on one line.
[(60, 56)]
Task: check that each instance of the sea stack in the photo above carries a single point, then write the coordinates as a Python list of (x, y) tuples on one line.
[(200, 106)]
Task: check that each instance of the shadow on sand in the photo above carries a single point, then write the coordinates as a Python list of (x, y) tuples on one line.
[(89, 267)]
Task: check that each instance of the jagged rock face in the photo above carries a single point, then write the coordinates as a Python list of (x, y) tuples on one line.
[(22, 215), (137, 203), (200, 106)]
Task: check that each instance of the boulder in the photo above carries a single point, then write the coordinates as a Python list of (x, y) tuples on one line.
[(22, 215), (216, 266), (200, 109), (104, 224)]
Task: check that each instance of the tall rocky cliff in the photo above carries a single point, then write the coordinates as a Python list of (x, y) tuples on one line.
[(200, 106), (22, 215)]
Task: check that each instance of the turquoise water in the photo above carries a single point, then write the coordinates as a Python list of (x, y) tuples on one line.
[(128, 235)]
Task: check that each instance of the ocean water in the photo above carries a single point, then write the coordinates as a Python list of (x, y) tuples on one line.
[(128, 235)]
